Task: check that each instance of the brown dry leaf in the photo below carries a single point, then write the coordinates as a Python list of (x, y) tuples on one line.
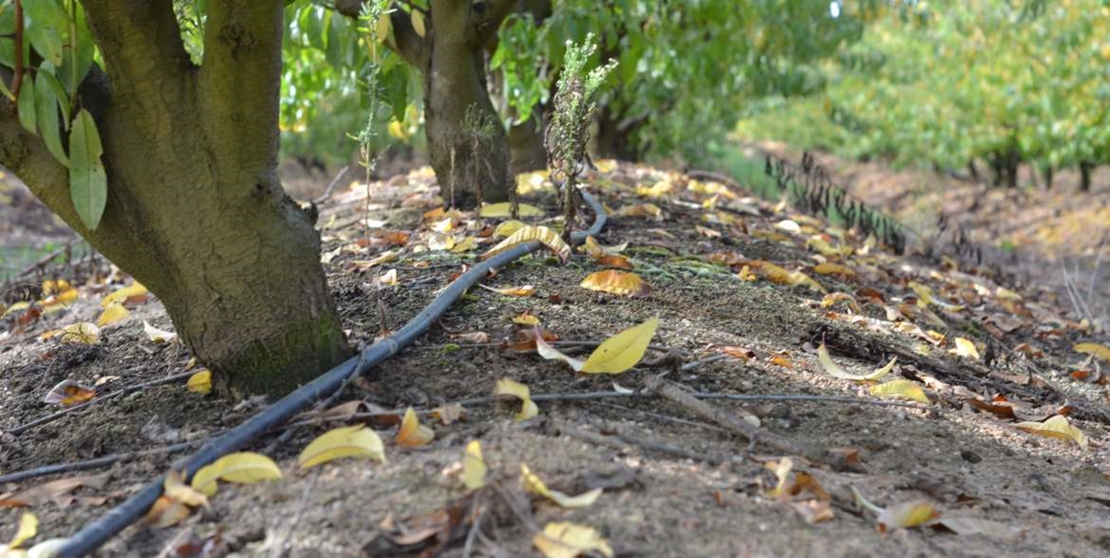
[(833, 299), (472, 337), (614, 261), (617, 282), (449, 413), (55, 490), (533, 484), (783, 361), (1002, 410), (544, 235), (1057, 427), (525, 339), (648, 210), (569, 540), (707, 232), (813, 511), (166, 512), (68, 392), (412, 434), (737, 352)]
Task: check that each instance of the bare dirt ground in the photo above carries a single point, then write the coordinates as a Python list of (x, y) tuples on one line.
[(674, 483)]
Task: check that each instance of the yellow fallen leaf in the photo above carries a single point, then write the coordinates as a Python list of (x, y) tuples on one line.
[(833, 299), (388, 256), (621, 351), (966, 349), (782, 276), (1100, 351), (467, 244), (544, 235), (516, 389), (502, 210), (412, 434), (241, 467), (1057, 427), (112, 313), (926, 295), (60, 299), (474, 467), (829, 268), (28, 528), (649, 210), (526, 290), (838, 372), (126, 294), (382, 28), (595, 250), (616, 282), (156, 335), (81, 333), (54, 286), (507, 228), (533, 484), (22, 305), (569, 540), (526, 319), (906, 515), (782, 470), (905, 389), (200, 382), (175, 489), (346, 441)]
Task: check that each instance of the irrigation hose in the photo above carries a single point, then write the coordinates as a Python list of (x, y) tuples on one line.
[(95, 534)]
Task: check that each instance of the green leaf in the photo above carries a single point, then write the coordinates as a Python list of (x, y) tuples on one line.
[(78, 62), (45, 21), (88, 183), (26, 107), (46, 115)]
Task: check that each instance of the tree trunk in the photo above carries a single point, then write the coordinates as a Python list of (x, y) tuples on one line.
[(195, 210), (1085, 170), (526, 145)]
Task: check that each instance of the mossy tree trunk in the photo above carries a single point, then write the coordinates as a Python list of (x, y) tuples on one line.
[(195, 209)]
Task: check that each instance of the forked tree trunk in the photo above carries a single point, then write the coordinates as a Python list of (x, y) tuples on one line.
[(195, 209)]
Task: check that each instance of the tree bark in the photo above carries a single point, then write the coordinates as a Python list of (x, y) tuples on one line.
[(1085, 170), (469, 165), (195, 209)]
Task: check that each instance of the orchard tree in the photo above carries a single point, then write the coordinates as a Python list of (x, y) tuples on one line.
[(167, 166), (152, 127)]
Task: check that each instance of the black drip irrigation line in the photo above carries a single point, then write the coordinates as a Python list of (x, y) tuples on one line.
[(95, 534)]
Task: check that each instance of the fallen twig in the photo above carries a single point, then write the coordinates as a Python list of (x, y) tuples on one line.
[(754, 434), (98, 399), (96, 462)]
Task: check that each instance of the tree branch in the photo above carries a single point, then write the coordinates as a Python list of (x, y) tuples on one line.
[(26, 156), (140, 43), (240, 82)]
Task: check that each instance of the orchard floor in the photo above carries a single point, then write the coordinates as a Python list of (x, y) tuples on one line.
[(674, 483)]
